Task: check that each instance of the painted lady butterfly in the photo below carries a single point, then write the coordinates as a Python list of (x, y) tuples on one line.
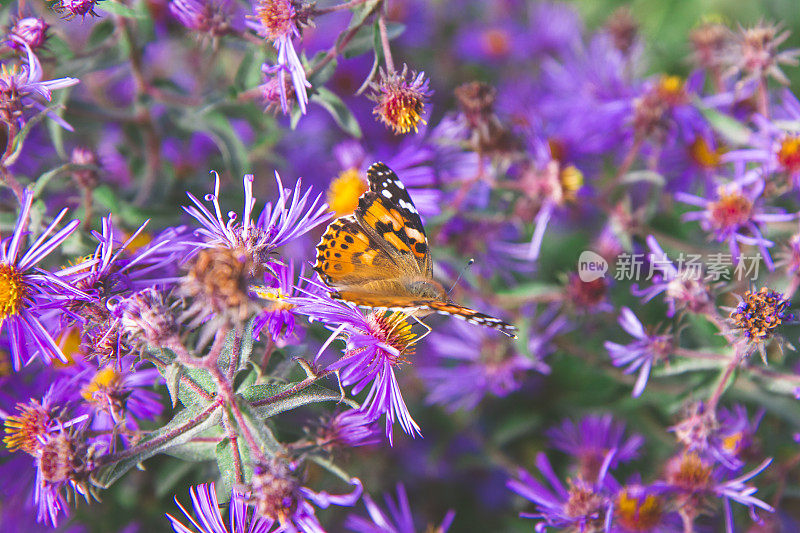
[(378, 256)]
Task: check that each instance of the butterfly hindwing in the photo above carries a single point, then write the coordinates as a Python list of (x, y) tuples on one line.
[(387, 210), (347, 255)]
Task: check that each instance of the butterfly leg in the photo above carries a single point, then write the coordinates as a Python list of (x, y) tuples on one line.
[(423, 324)]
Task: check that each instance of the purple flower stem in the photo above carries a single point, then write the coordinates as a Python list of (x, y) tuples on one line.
[(338, 7), (726, 375), (338, 47), (387, 51)]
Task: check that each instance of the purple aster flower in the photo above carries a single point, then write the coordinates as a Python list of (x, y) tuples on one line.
[(557, 26), (279, 21), (398, 519), (293, 214), (213, 18), (591, 441), (549, 188), (29, 30), (116, 396), (694, 481), (21, 87), (61, 454), (25, 291), (682, 285), (241, 519), (733, 440), (641, 353), (483, 359), (347, 429), (374, 345), (773, 146), (735, 216), (582, 505)]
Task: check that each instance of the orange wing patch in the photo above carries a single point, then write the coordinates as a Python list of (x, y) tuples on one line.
[(346, 255), (390, 225)]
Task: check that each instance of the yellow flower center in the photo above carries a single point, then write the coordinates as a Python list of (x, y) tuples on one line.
[(23, 430), (691, 473), (395, 330), (789, 153), (571, 181), (703, 154), (638, 514), (140, 241), (733, 443), (12, 291), (105, 378), (70, 343), (496, 42), (731, 210), (274, 295), (345, 190), (671, 89)]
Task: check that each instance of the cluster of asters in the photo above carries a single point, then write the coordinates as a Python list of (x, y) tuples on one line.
[(94, 347)]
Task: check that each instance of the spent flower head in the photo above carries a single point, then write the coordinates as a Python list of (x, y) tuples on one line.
[(400, 99)]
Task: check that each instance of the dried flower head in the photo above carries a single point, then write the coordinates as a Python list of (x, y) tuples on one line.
[(400, 101), (710, 40), (76, 8), (755, 53), (623, 29)]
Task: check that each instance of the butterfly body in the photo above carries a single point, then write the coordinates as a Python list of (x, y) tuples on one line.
[(379, 257)]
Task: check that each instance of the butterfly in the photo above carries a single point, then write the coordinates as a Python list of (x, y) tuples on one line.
[(379, 257)]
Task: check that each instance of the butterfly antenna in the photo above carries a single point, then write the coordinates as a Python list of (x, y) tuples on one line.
[(463, 271)]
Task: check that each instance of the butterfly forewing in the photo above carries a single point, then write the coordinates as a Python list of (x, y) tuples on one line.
[(387, 211)]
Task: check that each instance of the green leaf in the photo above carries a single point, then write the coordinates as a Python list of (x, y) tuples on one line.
[(226, 462), (198, 450), (734, 131), (109, 475), (116, 8), (688, 365), (341, 114), (100, 32), (312, 394), (320, 77), (261, 433)]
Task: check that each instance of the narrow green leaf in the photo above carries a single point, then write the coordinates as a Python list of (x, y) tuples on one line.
[(341, 114), (115, 8), (734, 131), (100, 32), (258, 428), (261, 392), (688, 365), (112, 473), (226, 463)]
